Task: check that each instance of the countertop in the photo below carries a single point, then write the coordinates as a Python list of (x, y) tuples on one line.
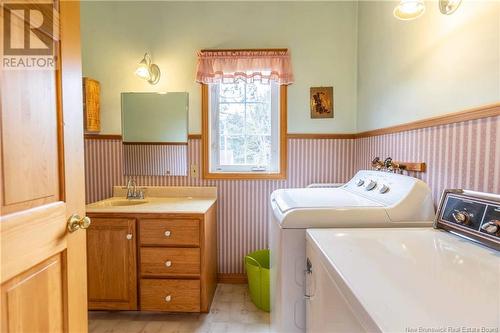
[(186, 200)]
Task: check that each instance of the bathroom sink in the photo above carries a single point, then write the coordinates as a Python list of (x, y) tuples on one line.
[(125, 202)]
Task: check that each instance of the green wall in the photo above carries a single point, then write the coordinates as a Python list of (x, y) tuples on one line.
[(320, 35), (436, 64), (384, 71)]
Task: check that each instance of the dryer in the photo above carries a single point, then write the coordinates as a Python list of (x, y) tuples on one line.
[(373, 199)]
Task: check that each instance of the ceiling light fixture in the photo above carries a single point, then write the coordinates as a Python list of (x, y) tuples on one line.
[(409, 9), (448, 7), (147, 70)]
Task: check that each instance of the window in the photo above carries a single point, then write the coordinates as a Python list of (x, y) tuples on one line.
[(245, 127), (244, 121), (244, 112)]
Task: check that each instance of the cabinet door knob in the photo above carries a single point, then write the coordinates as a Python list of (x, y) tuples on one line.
[(168, 298), (167, 233), (129, 236), (168, 263)]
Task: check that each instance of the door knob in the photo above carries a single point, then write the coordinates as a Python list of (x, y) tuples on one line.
[(76, 222)]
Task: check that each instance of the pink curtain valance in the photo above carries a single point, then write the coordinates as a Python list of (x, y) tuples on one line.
[(216, 66)]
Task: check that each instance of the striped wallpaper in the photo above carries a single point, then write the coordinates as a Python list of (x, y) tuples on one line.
[(242, 205), (155, 160), (461, 155)]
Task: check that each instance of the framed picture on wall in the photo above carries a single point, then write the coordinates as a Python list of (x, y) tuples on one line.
[(321, 100), (91, 105)]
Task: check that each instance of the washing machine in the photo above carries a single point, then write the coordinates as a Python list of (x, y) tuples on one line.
[(441, 279), (373, 199)]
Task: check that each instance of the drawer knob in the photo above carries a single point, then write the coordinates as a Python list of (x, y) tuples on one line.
[(167, 233), (129, 236), (168, 263), (168, 298)]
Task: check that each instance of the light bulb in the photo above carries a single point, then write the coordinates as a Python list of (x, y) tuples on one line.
[(409, 9), (142, 71)]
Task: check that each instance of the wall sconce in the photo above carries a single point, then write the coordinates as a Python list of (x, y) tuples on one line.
[(412, 9), (147, 70), (409, 9), (448, 7)]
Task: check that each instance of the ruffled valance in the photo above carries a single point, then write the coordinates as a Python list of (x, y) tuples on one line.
[(216, 66)]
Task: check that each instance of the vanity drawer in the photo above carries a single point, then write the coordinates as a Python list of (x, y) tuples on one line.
[(170, 295), (169, 232), (163, 261)]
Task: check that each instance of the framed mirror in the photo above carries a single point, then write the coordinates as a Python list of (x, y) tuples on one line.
[(155, 133), (155, 117)]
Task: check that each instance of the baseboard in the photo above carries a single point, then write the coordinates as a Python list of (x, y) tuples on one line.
[(232, 278)]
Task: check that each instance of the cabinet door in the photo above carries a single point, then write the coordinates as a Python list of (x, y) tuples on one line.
[(111, 253)]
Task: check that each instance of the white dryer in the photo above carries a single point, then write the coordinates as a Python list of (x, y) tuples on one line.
[(370, 199)]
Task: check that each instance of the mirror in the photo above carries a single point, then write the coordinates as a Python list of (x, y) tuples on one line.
[(155, 117), (155, 133)]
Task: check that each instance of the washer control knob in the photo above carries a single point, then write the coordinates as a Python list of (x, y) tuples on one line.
[(492, 227), (371, 185), (462, 217), (384, 189), (360, 182)]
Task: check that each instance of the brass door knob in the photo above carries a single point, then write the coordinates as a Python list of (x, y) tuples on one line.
[(76, 222)]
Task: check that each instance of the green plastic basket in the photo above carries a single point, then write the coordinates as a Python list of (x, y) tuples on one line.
[(257, 267)]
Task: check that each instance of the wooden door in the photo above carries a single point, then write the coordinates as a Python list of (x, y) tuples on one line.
[(112, 268), (43, 266)]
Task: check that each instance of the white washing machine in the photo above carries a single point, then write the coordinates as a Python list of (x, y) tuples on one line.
[(370, 199), (409, 279)]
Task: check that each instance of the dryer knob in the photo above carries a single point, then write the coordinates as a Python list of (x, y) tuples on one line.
[(492, 227), (384, 189), (360, 182), (462, 217), (371, 185)]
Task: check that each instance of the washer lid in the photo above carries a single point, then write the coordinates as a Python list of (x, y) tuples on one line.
[(425, 277), (288, 199)]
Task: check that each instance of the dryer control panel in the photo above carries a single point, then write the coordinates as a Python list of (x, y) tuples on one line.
[(471, 214), (385, 187)]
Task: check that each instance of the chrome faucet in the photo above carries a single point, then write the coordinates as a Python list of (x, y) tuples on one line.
[(132, 192)]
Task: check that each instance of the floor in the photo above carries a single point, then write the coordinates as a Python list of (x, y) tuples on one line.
[(232, 311)]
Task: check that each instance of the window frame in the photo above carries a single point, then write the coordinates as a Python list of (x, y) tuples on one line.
[(206, 142)]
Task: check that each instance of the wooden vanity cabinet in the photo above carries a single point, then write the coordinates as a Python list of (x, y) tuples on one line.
[(172, 266), (111, 263)]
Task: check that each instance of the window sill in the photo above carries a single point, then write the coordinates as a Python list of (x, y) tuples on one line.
[(245, 175)]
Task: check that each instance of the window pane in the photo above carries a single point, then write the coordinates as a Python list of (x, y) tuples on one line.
[(258, 118), (244, 130), (231, 118), (258, 150), (232, 150), (257, 92), (232, 92)]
